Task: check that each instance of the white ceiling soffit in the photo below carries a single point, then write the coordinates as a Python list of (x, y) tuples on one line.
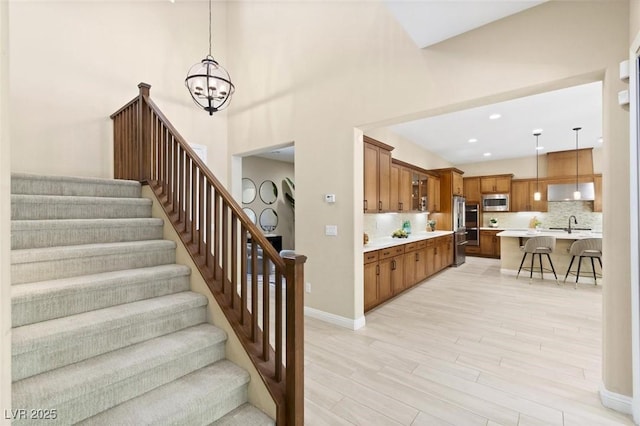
[(431, 21), (511, 135)]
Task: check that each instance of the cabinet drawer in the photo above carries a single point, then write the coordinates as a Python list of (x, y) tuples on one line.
[(422, 244), (370, 257), (410, 247), (431, 242), (390, 252)]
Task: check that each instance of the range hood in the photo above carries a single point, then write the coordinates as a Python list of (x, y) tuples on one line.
[(564, 192)]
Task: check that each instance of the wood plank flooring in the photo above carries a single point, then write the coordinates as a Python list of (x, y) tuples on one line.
[(468, 347)]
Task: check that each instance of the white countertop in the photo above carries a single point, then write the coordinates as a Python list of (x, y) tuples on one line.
[(386, 242), (563, 235)]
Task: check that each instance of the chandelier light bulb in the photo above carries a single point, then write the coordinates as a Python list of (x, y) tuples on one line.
[(537, 196)]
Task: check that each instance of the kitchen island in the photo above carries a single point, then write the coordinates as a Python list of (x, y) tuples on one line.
[(511, 255)]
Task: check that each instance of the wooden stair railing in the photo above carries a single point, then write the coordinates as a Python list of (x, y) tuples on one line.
[(232, 254)]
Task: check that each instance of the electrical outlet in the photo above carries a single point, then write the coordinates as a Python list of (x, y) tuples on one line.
[(307, 287)]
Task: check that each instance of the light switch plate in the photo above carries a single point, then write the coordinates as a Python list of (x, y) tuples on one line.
[(331, 230)]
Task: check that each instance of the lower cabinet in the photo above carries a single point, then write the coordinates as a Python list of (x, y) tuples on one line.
[(489, 244), (390, 271)]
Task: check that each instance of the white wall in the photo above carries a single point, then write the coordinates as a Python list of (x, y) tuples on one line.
[(5, 219), (75, 63), (350, 65)]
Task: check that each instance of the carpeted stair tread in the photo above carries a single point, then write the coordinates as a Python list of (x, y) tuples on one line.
[(244, 415), (22, 183), (38, 207), (31, 265), (44, 300), (194, 399), (86, 388), (52, 344), (27, 234)]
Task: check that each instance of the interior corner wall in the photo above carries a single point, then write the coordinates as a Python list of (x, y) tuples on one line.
[(5, 220), (260, 170), (73, 64)]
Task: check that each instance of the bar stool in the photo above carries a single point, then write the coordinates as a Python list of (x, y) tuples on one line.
[(538, 245), (590, 248)]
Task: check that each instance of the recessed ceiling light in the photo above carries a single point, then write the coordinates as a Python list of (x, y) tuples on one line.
[(540, 148), (487, 154), (473, 140), (537, 131), (495, 116)]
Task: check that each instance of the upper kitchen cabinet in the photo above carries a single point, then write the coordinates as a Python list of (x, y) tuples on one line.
[(522, 191), (497, 184), (563, 163), (419, 191), (377, 176), (472, 189), (433, 194), (457, 183), (412, 190)]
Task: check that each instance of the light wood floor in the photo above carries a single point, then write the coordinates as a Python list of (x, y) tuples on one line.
[(467, 347)]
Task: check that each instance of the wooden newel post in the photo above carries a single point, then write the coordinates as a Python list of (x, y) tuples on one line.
[(294, 271), (144, 135)]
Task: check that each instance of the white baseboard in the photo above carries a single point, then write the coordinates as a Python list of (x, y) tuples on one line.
[(616, 401), (352, 324)]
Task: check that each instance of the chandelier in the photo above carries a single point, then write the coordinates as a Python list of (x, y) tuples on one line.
[(209, 83)]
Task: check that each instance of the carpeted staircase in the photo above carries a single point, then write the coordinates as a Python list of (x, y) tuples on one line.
[(105, 329)]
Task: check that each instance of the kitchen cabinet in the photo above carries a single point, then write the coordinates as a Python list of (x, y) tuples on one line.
[(471, 189), (496, 184), (418, 191), (490, 243), (451, 184), (433, 194), (563, 163), (390, 271), (405, 189), (394, 190), (377, 176), (410, 264), (597, 203), (370, 285), (457, 183), (522, 191)]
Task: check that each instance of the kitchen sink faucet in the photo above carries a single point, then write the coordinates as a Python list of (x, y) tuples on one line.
[(575, 221)]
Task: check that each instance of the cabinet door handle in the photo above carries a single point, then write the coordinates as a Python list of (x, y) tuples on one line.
[(417, 257), (377, 269), (435, 251), (380, 205), (393, 265), (401, 206), (366, 205)]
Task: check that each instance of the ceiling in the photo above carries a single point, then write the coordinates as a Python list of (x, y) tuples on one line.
[(431, 21), (511, 136), (286, 154)]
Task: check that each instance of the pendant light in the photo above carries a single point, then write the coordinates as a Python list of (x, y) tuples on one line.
[(576, 193), (536, 195), (209, 84)]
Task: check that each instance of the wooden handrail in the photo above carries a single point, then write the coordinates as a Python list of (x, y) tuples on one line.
[(235, 259)]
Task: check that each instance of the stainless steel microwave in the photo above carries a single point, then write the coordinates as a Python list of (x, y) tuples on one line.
[(495, 202)]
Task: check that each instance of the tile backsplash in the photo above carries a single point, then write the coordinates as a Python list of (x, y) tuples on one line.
[(380, 225), (557, 216)]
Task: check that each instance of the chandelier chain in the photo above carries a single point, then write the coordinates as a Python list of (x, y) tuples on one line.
[(209, 27)]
